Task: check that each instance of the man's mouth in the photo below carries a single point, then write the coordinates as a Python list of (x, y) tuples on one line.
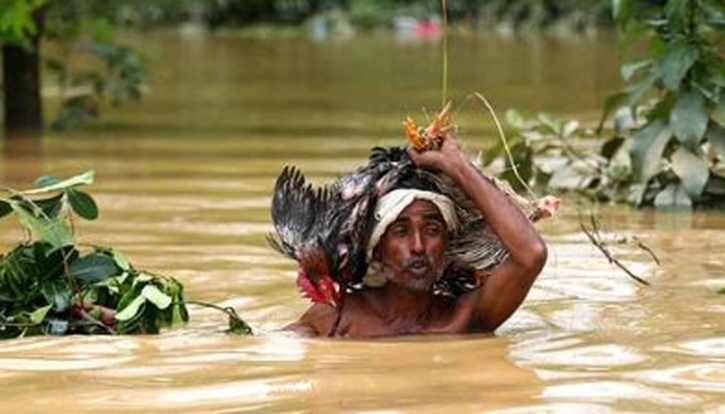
[(418, 266)]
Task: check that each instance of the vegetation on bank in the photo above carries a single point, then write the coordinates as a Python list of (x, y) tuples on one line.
[(667, 146)]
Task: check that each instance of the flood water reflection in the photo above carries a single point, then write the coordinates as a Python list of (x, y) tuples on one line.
[(184, 183)]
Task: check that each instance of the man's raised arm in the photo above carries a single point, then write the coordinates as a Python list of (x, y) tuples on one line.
[(508, 284)]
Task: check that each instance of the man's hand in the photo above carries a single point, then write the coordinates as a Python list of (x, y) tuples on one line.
[(447, 159)]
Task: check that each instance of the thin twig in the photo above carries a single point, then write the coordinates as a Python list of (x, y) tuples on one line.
[(4, 324), (647, 249), (94, 322), (613, 260), (504, 141), (228, 310), (444, 91)]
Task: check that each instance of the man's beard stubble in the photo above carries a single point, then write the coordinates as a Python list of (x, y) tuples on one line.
[(420, 266)]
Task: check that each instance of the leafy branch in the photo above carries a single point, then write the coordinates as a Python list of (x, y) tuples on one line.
[(48, 285)]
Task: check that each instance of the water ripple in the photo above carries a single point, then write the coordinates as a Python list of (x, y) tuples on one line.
[(611, 391), (50, 364), (591, 356), (703, 377), (713, 347)]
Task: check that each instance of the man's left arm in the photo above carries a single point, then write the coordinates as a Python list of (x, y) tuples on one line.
[(509, 283)]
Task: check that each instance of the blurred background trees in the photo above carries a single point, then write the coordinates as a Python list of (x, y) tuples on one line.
[(87, 27), (74, 27)]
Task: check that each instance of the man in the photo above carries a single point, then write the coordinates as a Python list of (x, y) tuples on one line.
[(408, 250)]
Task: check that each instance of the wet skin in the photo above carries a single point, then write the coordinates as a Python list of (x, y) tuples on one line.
[(411, 252)]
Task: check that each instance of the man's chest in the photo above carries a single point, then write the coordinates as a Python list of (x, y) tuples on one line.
[(442, 320)]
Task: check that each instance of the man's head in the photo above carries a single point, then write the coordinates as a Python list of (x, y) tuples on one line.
[(409, 240)]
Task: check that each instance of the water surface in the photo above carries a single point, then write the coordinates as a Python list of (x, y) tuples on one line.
[(184, 182)]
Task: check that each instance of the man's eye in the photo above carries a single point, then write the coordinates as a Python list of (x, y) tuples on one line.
[(434, 229), (400, 230)]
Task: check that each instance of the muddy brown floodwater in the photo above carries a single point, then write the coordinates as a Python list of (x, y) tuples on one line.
[(184, 182)]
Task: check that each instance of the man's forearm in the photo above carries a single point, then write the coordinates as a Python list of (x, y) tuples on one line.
[(525, 246)]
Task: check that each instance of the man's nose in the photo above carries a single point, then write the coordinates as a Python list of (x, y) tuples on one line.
[(417, 245)]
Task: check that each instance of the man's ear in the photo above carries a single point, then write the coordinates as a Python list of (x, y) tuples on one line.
[(377, 256)]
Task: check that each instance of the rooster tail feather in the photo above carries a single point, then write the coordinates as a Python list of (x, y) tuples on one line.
[(275, 242)]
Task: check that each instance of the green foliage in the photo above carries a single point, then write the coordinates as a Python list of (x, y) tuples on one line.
[(552, 154), (49, 286), (16, 20), (117, 75), (676, 99), (47, 291), (90, 68)]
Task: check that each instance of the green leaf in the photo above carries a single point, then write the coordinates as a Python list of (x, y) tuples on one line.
[(676, 13), (629, 69), (130, 311), (553, 124), (51, 206), (673, 196), (624, 121), (5, 208), (688, 119), (81, 179), (82, 204), (708, 89), (636, 194), (121, 260), (58, 294), (179, 314), (52, 230), (692, 170), (156, 296), (575, 176), (647, 147), (38, 315), (236, 324), (516, 120), (16, 21), (636, 92), (663, 107), (678, 59), (93, 268), (611, 103), (142, 278), (46, 181), (622, 10), (569, 128)]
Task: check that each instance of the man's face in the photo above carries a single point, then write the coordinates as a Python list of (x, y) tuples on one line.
[(412, 248)]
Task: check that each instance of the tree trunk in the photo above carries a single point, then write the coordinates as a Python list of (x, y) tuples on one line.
[(21, 84)]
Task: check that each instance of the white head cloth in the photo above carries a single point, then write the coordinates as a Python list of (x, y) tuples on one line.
[(393, 203)]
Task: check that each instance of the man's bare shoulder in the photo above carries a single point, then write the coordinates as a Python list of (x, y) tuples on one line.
[(316, 321)]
